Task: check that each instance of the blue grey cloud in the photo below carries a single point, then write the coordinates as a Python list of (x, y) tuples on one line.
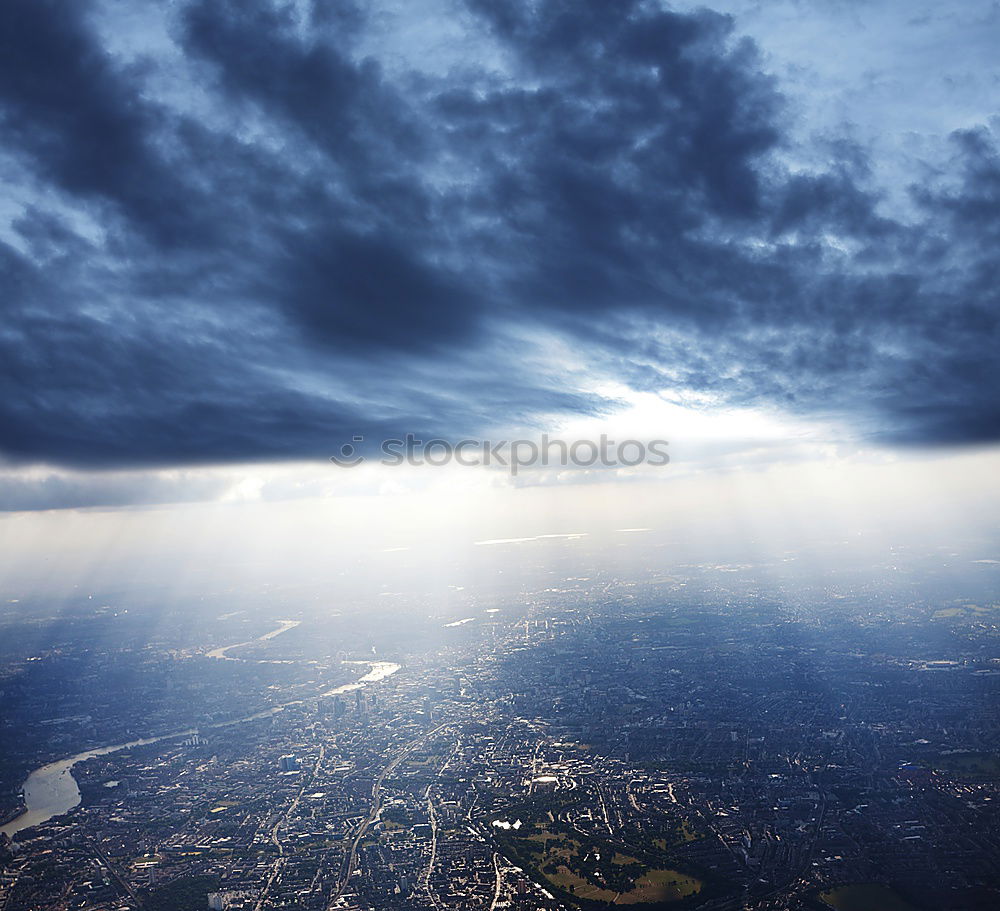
[(318, 244)]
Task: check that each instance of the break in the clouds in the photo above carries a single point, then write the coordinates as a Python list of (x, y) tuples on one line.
[(237, 230)]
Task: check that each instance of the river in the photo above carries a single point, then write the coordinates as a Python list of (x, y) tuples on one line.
[(379, 671), (221, 652), (51, 790)]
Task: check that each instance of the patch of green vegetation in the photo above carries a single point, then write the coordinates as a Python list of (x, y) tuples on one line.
[(681, 835), (963, 610), (394, 818), (969, 765), (945, 612), (188, 893), (865, 897), (592, 871), (661, 886)]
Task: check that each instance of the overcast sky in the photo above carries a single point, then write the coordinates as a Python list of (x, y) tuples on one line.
[(243, 231)]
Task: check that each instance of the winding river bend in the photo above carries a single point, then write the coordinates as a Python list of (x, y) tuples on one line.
[(51, 790), (221, 652)]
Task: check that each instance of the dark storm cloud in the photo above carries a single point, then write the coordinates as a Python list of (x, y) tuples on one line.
[(357, 271), (321, 246), (80, 123), (646, 210), (81, 389), (107, 490), (309, 84)]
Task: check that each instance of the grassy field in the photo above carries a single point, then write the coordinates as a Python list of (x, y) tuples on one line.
[(185, 894), (596, 871), (865, 897), (683, 834), (661, 886), (964, 610), (658, 885), (969, 764)]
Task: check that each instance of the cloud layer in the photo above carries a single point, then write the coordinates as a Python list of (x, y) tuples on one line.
[(238, 233)]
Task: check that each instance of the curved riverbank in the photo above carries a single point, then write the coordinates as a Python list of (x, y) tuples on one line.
[(221, 652), (51, 790)]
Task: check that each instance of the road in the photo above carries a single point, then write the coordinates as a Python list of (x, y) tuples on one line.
[(118, 876), (280, 862), (604, 807), (430, 863), (433, 821), (496, 893), (376, 806)]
